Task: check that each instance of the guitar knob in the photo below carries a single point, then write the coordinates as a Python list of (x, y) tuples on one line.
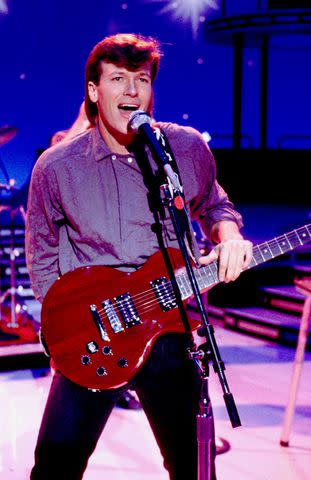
[(107, 350), (101, 371), (86, 360), (122, 362)]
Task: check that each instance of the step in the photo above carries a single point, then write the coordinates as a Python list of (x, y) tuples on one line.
[(22, 356), (303, 268), (263, 322), (283, 297)]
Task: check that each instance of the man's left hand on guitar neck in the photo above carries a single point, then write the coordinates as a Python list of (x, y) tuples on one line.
[(232, 252)]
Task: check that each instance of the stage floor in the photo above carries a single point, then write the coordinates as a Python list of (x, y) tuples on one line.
[(258, 373)]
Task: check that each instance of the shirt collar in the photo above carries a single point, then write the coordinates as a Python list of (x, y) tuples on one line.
[(98, 147), (100, 150)]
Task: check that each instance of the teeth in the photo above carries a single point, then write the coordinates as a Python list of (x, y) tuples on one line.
[(128, 106)]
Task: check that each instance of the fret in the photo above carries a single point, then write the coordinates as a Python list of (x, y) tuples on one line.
[(253, 262), (265, 251), (199, 278), (275, 247), (214, 270), (187, 284), (257, 255), (207, 275), (293, 239), (284, 244), (181, 287), (303, 234), (298, 237)]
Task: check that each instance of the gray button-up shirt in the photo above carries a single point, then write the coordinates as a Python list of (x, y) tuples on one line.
[(88, 205)]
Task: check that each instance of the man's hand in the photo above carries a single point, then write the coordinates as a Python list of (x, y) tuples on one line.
[(232, 252), (233, 257)]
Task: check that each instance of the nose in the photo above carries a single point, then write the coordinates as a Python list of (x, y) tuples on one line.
[(130, 88)]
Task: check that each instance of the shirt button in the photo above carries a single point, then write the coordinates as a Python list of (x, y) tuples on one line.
[(113, 157), (130, 160)]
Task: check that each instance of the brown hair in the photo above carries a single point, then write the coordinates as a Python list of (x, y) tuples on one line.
[(124, 50)]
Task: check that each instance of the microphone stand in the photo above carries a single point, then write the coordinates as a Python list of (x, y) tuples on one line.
[(208, 351), (173, 199)]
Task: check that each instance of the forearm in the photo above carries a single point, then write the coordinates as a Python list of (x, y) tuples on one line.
[(225, 230)]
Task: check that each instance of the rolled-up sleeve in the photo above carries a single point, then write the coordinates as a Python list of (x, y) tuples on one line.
[(42, 229)]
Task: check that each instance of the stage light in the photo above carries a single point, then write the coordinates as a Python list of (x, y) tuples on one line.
[(206, 137), (3, 7), (188, 10)]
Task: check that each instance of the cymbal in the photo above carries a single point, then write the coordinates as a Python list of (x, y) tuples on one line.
[(6, 134)]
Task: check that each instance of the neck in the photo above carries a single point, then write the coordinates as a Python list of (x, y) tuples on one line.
[(116, 143)]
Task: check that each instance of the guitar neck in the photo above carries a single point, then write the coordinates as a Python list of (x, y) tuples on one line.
[(207, 276)]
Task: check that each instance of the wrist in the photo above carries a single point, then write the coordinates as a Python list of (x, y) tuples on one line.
[(225, 230)]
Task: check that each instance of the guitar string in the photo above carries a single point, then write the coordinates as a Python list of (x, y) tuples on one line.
[(151, 307), (257, 249), (138, 298), (117, 307), (292, 235), (149, 304), (139, 305), (155, 300), (141, 296), (148, 307), (164, 290)]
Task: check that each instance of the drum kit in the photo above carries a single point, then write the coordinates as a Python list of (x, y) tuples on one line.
[(15, 322)]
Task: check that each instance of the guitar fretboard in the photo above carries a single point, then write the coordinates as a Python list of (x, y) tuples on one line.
[(207, 276)]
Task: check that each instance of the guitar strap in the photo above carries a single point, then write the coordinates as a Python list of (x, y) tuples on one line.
[(190, 240)]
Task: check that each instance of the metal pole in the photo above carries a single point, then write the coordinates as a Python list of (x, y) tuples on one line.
[(264, 53), (238, 43)]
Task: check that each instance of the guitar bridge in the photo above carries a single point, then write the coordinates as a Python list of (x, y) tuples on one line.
[(127, 310), (164, 293), (98, 322)]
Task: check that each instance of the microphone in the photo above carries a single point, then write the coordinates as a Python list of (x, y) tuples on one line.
[(139, 122)]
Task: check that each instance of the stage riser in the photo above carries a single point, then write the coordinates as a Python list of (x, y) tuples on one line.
[(268, 324)]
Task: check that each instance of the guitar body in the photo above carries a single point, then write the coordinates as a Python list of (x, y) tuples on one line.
[(99, 324), (84, 346)]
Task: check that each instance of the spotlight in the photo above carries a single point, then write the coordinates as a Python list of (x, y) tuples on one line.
[(206, 137), (188, 10), (3, 7)]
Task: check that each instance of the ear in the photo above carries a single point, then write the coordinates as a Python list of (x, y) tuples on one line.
[(92, 89)]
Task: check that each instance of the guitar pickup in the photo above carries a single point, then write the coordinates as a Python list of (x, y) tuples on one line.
[(164, 293), (127, 310), (112, 316)]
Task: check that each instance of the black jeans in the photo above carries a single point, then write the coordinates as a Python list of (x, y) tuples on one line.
[(168, 387)]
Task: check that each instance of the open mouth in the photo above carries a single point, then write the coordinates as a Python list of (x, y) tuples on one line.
[(128, 107)]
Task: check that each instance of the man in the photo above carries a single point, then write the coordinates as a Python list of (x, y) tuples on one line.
[(80, 125), (89, 205)]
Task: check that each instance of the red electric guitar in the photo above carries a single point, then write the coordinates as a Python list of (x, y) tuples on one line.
[(100, 324)]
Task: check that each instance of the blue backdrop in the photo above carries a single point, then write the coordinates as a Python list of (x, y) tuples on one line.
[(44, 46)]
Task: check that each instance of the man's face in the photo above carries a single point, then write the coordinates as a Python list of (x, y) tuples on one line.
[(120, 92)]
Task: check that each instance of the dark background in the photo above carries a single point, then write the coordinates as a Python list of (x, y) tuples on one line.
[(44, 46)]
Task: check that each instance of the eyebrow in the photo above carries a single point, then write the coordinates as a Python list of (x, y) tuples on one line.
[(139, 72)]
